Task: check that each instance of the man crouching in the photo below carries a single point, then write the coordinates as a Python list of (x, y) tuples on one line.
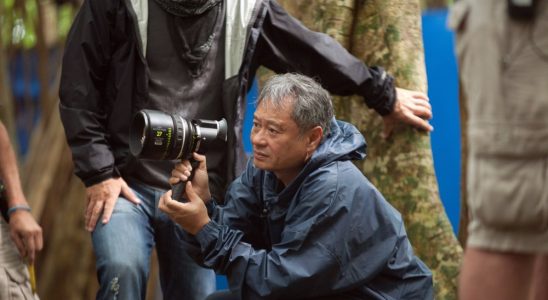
[(301, 221)]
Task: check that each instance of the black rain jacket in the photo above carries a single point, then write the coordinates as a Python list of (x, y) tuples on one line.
[(104, 80)]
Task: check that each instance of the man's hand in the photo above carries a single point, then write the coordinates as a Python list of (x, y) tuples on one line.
[(200, 181), (26, 234), (411, 107), (102, 197), (191, 215)]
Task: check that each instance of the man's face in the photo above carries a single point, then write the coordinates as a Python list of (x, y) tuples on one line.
[(277, 143)]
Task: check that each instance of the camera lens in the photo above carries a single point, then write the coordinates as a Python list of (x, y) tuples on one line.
[(160, 136), (157, 135)]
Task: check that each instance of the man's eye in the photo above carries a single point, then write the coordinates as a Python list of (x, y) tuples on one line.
[(273, 131)]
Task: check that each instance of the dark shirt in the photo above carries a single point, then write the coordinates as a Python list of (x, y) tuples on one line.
[(173, 89)]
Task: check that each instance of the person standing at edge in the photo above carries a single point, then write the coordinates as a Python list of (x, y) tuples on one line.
[(502, 48), (20, 234)]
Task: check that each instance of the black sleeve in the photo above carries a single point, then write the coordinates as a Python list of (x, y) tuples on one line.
[(285, 45), (82, 91)]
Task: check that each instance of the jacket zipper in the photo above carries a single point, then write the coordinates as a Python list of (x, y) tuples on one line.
[(266, 221)]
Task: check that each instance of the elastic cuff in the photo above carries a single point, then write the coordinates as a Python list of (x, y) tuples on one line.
[(12, 209), (388, 105), (112, 173), (382, 95), (387, 96), (208, 234)]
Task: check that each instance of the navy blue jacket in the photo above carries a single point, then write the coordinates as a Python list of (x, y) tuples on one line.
[(329, 234)]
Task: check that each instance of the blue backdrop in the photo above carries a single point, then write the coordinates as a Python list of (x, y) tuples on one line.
[(441, 68)]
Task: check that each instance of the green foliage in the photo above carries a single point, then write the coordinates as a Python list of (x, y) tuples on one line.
[(66, 14), (19, 20), (18, 23)]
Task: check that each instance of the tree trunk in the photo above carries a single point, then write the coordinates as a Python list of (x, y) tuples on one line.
[(7, 111), (65, 268), (388, 33), (435, 4)]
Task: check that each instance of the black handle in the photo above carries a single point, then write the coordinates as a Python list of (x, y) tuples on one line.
[(179, 188)]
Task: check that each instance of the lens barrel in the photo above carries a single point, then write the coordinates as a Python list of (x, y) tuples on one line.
[(160, 136)]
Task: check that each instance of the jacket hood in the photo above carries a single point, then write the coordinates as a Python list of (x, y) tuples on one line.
[(344, 142)]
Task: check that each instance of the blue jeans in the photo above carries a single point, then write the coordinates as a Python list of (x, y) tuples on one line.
[(123, 247), (222, 295)]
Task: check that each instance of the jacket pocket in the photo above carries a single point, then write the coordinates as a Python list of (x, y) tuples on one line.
[(15, 285), (509, 193)]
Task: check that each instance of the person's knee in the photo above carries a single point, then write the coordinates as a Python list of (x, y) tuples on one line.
[(121, 270), (119, 276), (123, 265)]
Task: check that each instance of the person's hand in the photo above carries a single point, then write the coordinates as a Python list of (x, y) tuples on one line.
[(200, 181), (102, 198), (191, 215), (26, 234), (411, 107)]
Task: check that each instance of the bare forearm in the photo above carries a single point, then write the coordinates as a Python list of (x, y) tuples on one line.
[(8, 170)]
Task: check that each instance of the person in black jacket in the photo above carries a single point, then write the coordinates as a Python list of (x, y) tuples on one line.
[(301, 222), (197, 59)]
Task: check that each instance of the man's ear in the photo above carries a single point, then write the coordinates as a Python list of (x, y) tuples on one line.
[(315, 136)]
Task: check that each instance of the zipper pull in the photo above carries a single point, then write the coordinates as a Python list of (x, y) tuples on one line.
[(264, 213)]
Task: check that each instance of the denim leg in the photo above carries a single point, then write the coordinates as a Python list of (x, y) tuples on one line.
[(222, 295), (180, 276), (122, 248)]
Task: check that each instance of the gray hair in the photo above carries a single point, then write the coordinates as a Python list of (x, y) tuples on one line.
[(311, 103)]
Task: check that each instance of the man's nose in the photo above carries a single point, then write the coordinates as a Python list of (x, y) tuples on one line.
[(257, 138)]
